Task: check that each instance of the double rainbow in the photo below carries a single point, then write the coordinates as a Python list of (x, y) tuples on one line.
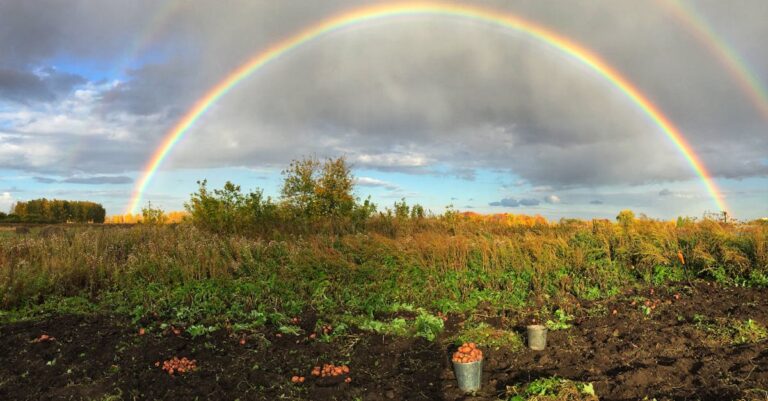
[(722, 51), (392, 10)]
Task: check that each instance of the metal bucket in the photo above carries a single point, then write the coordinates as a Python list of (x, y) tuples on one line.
[(537, 337), (469, 375)]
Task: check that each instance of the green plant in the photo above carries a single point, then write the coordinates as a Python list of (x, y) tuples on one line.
[(758, 279), (731, 331), (663, 274), (748, 331), (554, 389), (397, 326), (290, 329), (428, 326), (197, 330), (153, 216), (488, 336), (561, 322)]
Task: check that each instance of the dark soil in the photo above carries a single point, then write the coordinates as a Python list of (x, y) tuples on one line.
[(627, 356)]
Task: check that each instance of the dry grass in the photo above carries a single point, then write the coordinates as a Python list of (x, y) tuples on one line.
[(439, 263)]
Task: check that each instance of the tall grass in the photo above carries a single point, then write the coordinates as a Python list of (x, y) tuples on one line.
[(447, 263)]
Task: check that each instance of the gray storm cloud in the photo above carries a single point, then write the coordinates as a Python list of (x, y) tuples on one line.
[(412, 94), (45, 85), (511, 202), (88, 180)]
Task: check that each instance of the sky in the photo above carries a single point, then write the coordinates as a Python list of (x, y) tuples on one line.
[(438, 110)]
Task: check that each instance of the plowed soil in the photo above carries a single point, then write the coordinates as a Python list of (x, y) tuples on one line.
[(628, 355)]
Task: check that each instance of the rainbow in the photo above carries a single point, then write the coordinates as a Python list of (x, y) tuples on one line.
[(723, 52), (164, 10), (391, 10)]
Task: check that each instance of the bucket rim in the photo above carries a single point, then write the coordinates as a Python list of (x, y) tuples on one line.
[(467, 363)]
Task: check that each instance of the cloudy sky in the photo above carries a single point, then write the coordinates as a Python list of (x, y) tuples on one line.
[(439, 110)]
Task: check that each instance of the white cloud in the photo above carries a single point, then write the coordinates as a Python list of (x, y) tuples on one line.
[(79, 114), (401, 160), (375, 182), (76, 135), (552, 199), (6, 200), (27, 152)]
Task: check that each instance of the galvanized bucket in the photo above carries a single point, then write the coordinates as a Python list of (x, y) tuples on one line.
[(537, 337), (469, 375)]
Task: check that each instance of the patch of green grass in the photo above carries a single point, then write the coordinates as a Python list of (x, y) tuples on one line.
[(424, 325), (290, 329), (56, 305), (485, 335), (664, 274), (758, 279), (197, 330), (113, 397), (598, 310), (395, 327), (731, 331), (561, 322), (748, 331), (552, 389), (428, 326), (338, 330), (257, 319)]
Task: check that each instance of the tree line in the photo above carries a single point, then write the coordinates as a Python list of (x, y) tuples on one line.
[(55, 211), (315, 195)]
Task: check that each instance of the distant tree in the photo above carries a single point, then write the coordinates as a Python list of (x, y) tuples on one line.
[(312, 192), (313, 189), (300, 185), (152, 215), (17, 208), (59, 211), (228, 210), (333, 189)]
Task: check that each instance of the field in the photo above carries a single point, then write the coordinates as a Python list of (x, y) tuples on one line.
[(637, 309)]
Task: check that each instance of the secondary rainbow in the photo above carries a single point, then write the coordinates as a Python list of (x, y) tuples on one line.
[(391, 10), (722, 51), (152, 27)]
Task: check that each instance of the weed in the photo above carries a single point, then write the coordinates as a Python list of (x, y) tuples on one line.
[(485, 335), (666, 274), (561, 321), (397, 326), (428, 326), (290, 329), (552, 389), (198, 330), (721, 331), (113, 397), (748, 331)]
